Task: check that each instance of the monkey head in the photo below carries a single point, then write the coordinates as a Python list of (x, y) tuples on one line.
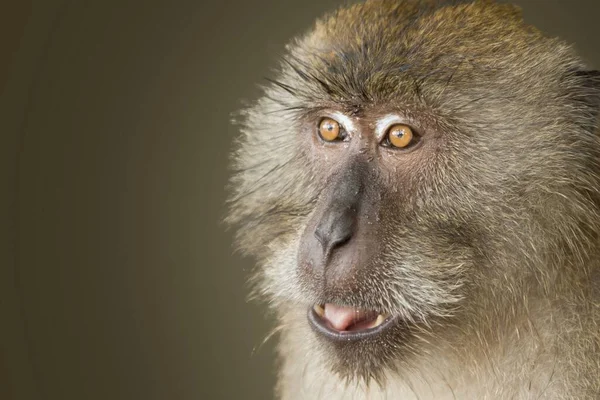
[(412, 171)]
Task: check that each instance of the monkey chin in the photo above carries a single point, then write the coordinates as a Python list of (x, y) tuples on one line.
[(362, 345)]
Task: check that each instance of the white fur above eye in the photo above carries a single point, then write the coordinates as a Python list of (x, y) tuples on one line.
[(383, 124)]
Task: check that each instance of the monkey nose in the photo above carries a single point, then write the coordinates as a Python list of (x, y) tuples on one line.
[(335, 228)]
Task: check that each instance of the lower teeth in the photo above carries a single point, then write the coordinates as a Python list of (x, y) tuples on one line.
[(319, 310)]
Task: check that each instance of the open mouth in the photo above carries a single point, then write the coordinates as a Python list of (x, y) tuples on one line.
[(347, 323)]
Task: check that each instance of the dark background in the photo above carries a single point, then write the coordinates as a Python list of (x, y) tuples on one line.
[(117, 280)]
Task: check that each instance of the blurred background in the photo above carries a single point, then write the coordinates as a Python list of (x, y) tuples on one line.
[(117, 279)]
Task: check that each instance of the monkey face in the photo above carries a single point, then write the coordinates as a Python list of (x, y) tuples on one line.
[(378, 255), (347, 254), (399, 183)]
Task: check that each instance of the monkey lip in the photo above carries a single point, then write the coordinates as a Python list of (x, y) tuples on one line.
[(347, 323)]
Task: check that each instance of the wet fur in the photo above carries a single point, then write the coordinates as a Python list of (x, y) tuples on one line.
[(491, 250)]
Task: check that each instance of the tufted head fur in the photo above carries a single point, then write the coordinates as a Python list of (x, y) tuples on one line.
[(484, 240)]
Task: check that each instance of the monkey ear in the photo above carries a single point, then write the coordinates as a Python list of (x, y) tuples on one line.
[(590, 96)]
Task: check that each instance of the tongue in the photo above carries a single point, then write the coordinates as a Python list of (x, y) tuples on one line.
[(340, 317)]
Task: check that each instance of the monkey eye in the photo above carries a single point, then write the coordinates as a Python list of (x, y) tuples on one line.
[(331, 131), (400, 136)]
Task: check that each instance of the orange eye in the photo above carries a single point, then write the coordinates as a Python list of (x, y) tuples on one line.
[(329, 129), (400, 136)]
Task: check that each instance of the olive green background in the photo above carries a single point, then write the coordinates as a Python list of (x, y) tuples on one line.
[(117, 280)]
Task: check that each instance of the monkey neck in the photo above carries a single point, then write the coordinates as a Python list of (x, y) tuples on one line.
[(538, 341)]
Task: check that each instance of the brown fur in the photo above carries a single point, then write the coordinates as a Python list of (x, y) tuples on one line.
[(485, 239)]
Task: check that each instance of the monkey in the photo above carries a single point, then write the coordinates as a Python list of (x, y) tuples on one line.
[(419, 186)]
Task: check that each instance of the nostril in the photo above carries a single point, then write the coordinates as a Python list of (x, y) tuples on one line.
[(341, 240), (323, 238)]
